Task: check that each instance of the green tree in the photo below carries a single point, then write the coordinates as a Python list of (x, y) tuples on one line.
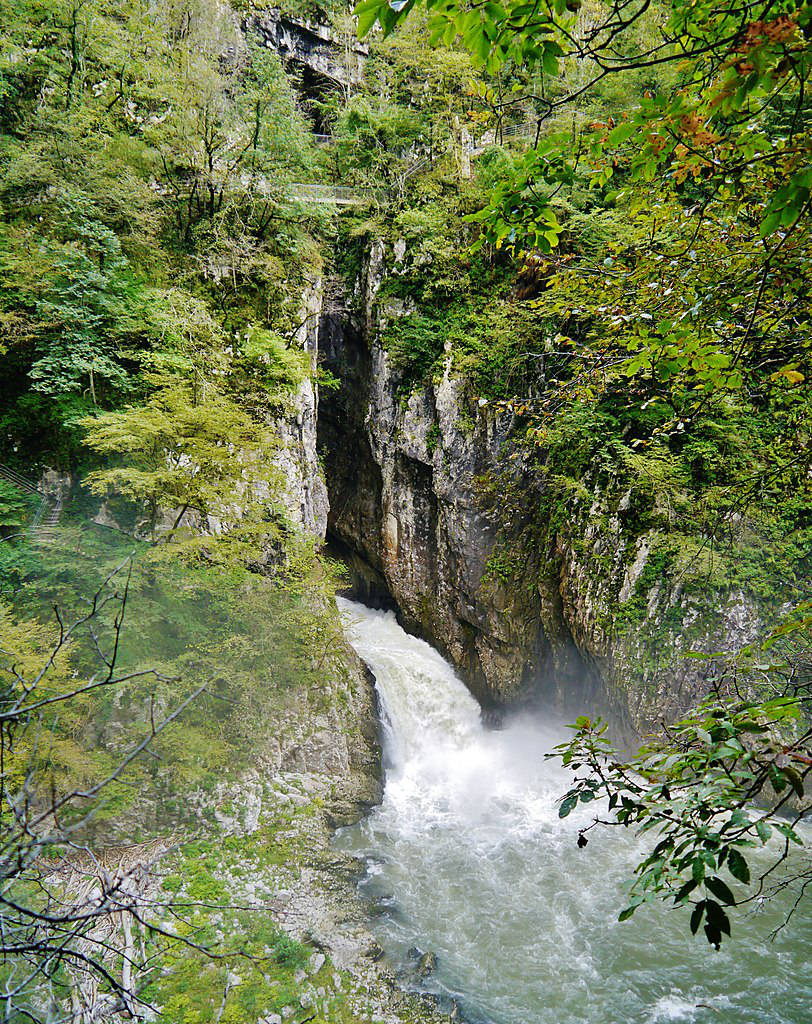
[(184, 452), (16, 507), (144, 160), (736, 64)]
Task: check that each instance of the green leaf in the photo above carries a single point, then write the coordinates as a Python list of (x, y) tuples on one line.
[(496, 12), (550, 63), (567, 804), (698, 870), (713, 934), (696, 916), (777, 778), (620, 133), (720, 890), (717, 917), (770, 223), (367, 14), (737, 866), (686, 890), (795, 780), (788, 832)]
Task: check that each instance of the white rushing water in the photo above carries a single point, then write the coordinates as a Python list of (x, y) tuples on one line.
[(467, 858)]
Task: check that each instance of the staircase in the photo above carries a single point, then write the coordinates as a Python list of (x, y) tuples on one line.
[(43, 528)]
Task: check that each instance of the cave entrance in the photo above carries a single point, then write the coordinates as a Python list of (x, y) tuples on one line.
[(315, 91)]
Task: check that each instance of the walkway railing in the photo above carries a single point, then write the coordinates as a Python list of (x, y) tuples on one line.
[(19, 481), (347, 195), (338, 195), (415, 167), (520, 131), (44, 528), (46, 517)]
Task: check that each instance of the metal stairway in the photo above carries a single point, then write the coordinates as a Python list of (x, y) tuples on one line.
[(44, 524)]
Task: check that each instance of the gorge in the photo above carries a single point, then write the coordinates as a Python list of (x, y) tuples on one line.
[(388, 397)]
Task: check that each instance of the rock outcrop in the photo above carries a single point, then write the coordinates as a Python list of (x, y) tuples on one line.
[(305, 491), (406, 496), (310, 45), (436, 514)]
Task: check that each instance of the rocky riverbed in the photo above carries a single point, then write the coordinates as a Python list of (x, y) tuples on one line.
[(266, 841)]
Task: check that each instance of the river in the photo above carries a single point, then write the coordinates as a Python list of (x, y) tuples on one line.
[(466, 857)]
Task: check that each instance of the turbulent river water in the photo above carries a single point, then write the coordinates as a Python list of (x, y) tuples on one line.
[(466, 857)]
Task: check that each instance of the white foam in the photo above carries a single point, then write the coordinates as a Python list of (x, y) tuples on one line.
[(468, 857), (673, 1007)]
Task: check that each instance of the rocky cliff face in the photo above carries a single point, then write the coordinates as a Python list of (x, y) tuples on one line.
[(309, 45), (405, 479), (425, 497), (305, 492)]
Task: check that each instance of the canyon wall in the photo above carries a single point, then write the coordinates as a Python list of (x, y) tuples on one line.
[(441, 512), (305, 491)]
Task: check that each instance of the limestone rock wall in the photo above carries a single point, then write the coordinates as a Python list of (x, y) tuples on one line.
[(309, 45), (403, 483), (305, 491), (425, 497)]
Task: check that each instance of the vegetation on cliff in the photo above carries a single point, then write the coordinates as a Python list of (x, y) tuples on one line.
[(627, 278), (656, 238), (152, 271), (661, 353), (147, 237)]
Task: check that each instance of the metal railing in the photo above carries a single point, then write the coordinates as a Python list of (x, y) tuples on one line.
[(415, 167), (44, 528), (346, 195), (520, 131), (14, 477), (339, 195), (46, 515)]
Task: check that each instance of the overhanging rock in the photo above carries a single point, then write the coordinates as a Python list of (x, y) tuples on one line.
[(311, 45)]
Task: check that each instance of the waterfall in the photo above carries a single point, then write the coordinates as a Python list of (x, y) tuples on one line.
[(467, 858)]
